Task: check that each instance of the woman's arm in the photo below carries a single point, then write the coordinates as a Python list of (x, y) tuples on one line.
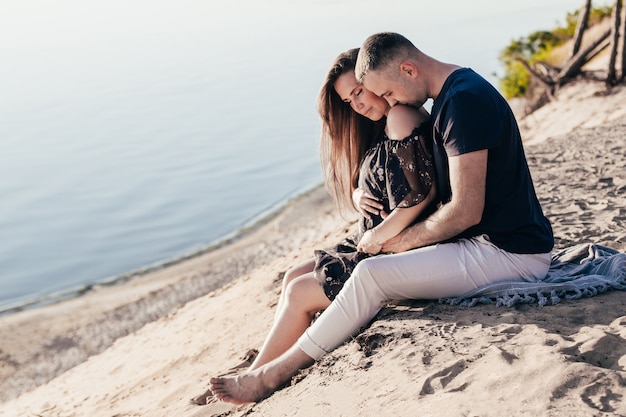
[(367, 204), (402, 119)]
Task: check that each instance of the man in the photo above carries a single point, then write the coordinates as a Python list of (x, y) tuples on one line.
[(489, 228)]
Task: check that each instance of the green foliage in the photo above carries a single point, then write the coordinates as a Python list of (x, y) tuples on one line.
[(527, 48), (515, 81), (598, 14), (536, 47)]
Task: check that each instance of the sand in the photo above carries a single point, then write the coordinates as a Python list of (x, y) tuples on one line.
[(146, 346)]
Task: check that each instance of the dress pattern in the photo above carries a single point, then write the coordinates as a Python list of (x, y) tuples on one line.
[(400, 173)]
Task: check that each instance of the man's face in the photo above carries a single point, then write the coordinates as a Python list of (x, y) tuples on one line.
[(394, 89)]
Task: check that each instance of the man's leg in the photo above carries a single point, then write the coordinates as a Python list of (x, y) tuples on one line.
[(436, 271), (442, 270)]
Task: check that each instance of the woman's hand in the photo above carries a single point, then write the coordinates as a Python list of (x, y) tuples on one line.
[(369, 244), (367, 204)]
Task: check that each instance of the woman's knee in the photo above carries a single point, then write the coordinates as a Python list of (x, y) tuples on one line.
[(296, 272), (289, 276), (305, 293)]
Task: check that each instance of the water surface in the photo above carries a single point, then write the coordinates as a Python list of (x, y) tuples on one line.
[(132, 133)]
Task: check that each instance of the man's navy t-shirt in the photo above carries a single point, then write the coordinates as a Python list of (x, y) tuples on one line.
[(468, 115)]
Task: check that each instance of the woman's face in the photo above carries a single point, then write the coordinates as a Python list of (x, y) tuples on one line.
[(360, 98)]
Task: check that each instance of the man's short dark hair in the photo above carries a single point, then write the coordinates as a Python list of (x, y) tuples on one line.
[(379, 50)]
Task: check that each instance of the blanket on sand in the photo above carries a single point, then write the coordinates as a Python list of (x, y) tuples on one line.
[(578, 271)]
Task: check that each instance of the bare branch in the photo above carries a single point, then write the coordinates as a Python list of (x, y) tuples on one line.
[(611, 77), (623, 48), (583, 19), (573, 66), (547, 81)]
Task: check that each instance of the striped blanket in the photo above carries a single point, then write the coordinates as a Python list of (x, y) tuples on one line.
[(575, 272)]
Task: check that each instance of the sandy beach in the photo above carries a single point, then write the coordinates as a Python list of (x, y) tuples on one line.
[(146, 346)]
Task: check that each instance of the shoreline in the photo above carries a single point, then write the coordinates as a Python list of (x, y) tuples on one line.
[(248, 227)]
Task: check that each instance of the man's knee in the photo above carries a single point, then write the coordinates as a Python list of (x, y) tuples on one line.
[(364, 273)]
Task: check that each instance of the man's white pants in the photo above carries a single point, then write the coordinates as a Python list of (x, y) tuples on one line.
[(432, 272)]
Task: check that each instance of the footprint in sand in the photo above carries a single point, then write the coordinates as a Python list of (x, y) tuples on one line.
[(607, 353), (370, 342), (443, 378), (603, 394), (600, 393), (601, 397)]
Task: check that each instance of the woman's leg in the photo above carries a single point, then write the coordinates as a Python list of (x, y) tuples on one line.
[(292, 273), (288, 304), (300, 300)]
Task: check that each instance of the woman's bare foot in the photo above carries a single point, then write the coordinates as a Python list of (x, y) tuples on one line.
[(203, 399), (246, 360), (245, 388)]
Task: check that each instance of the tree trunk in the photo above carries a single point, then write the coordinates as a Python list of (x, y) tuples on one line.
[(615, 26), (583, 18), (576, 62), (622, 60)]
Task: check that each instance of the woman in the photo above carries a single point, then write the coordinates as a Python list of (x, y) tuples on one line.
[(393, 169), (375, 160)]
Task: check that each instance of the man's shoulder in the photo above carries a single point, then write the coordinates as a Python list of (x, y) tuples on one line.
[(466, 80), (469, 92)]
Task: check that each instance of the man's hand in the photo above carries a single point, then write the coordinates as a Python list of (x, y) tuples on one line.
[(397, 244), (468, 173)]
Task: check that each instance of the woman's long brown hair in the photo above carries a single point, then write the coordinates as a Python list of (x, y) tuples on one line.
[(345, 137)]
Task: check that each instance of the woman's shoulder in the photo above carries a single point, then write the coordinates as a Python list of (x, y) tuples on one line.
[(402, 121)]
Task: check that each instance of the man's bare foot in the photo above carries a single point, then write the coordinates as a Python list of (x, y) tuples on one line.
[(245, 388), (254, 385)]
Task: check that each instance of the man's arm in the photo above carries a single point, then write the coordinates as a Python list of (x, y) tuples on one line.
[(394, 223), (468, 173)]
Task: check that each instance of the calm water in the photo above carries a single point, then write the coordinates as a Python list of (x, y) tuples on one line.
[(132, 133)]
